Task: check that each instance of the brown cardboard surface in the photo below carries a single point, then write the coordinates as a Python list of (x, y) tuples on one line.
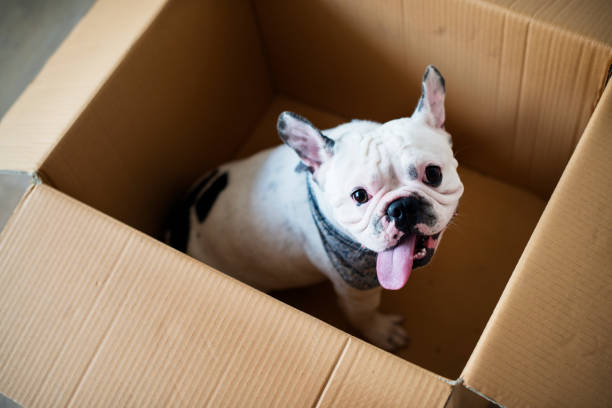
[(549, 341), (367, 379), (520, 90), (142, 98), (70, 79), (467, 276), (182, 100), (97, 314), (586, 18)]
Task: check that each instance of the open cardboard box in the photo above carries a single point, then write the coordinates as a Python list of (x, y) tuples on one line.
[(144, 96)]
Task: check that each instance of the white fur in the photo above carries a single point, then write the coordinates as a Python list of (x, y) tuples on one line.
[(377, 157), (260, 230)]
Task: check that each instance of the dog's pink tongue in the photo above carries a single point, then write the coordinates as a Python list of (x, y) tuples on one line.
[(393, 266)]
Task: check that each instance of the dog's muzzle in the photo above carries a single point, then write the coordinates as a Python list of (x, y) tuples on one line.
[(408, 212), (414, 249)]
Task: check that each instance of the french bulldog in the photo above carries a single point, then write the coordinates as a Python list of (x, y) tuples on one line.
[(362, 204)]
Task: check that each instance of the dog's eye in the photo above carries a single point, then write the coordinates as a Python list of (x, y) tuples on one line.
[(433, 176), (360, 196)]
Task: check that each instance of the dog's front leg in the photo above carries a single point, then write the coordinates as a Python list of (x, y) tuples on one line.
[(361, 308)]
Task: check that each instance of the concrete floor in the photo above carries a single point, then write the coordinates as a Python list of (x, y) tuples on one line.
[(30, 30)]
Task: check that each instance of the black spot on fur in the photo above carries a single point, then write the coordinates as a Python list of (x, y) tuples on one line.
[(177, 225), (209, 196), (412, 172)]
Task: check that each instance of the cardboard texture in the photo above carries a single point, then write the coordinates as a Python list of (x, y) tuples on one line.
[(548, 343), (135, 323), (144, 96), (532, 85)]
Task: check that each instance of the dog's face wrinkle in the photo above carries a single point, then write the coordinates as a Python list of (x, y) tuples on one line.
[(382, 175), (385, 159)]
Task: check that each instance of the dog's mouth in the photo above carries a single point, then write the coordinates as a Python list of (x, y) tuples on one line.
[(394, 265)]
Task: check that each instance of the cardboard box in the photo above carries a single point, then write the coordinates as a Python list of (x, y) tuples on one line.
[(144, 96)]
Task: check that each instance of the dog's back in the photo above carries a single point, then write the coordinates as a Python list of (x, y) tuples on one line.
[(201, 197)]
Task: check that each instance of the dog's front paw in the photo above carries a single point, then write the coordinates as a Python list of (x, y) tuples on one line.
[(386, 331)]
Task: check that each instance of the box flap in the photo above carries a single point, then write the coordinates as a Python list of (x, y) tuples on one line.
[(364, 378), (191, 88), (69, 80), (590, 18), (98, 314), (549, 341)]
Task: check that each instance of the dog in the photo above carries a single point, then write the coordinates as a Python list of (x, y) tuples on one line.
[(361, 204)]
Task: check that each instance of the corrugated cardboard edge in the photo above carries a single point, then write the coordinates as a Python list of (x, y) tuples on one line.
[(547, 350), (533, 13), (99, 314), (69, 80), (576, 17)]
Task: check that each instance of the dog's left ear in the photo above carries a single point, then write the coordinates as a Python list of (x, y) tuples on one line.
[(309, 143), (431, 104)]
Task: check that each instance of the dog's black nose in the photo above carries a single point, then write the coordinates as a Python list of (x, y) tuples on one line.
[(404, 212)]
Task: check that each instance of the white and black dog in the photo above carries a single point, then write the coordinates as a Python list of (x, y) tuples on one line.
[(361, 204)]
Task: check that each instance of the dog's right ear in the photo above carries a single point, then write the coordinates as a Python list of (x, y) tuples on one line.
[(309, 143)]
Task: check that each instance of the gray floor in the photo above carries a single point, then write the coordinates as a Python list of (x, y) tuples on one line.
[(30, 30)]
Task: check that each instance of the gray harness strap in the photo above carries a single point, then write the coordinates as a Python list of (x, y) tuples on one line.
[(355, 264)]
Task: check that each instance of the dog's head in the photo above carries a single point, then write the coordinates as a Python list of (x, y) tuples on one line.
[(393, 186)]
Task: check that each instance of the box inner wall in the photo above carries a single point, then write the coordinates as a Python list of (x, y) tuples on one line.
[(195, 92)]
